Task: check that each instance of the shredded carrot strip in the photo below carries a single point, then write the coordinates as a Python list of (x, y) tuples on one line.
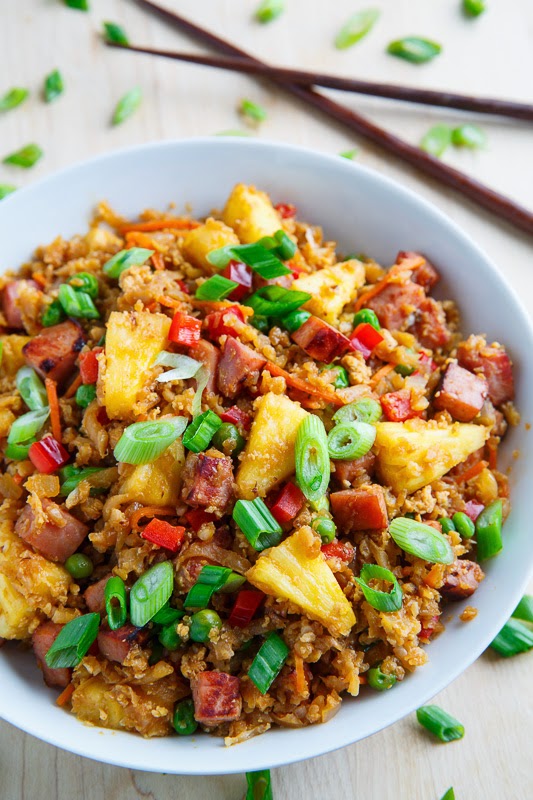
[(493, 456), (65, 695), (39, 278), (407, 264), (150, 511), (169, 302), (301, 680), (151, 306), (158, 261), (55, 416), (471, 472), (140, 239), (74, 386), (176, 223), (381, 374), (362, 680), (303, 386)]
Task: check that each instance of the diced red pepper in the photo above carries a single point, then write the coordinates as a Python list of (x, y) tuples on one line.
[(365, 338), (241, 274), (89, 365), (198, 517), (101, 416), (220, 322), (286, 210), (473, 509), (288, 504), (397, 406), (163, 534), (337, 550), (48, 455), (184, 330), (183, 286), (427, 361), (246, 604), (427, 633), (237, 416)]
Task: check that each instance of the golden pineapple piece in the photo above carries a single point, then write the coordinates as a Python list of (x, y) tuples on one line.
[(12, 358), (269, 454), (133, 341), (92, 702), (202, 240), (251, 214), (414, 453), (159, 483), (6, 420), (331, 288), (296, 570)]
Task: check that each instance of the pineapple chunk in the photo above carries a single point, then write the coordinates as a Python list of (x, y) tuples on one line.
[(251, 214), (331, 288), (269, 454), (92, 702), (6, 420), (159, 483), (414, 453), (296, 570), (210, 236), (12, 358), (133, 341)]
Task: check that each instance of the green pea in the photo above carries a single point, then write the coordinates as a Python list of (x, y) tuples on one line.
[(368, 316), (53, 314), (86, 394), (446, 524), (184, 721), (341, 375), (260, 322), (325, 528), (228, 440), (404, 370), (379, 680), (79, 566), (85, 282), (463, 525), (169, 637), (295, 320), (202, 623)]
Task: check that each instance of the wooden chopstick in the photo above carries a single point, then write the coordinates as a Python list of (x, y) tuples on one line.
[(410, 94), (499, 205)]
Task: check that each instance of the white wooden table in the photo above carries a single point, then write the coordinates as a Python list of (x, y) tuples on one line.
[(490, 55)]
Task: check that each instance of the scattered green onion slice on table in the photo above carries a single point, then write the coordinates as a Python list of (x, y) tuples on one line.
[(150, 593), (383, 601), (201, 431), (209, 581), (53, 314), (257, 523), (275, 301), (358, 26), (473, 8), (268, 662), (26, 157), (81, 5), (436, 140), (350, 440), (79, 566), (13, 98), (349, 154), (183, 721), (463, 525), (252, 111), (379, 680), (73, 476), (116, 34), (77, 304), (202, 623), (31, 388), (5, 189), (489, 531), (143, 442), (53, 86), (124, 259), (85, 282), (325, 528), (115, 602), (27, 426), (421, 540), (312, 457), (469, 135), (449, 795), (364, 410), (440, 723), (368, 316), (514, 638), (127, 105), (524, 609), (269, 10), (217, 287), (73, 642), (259, 786), (415, 49)]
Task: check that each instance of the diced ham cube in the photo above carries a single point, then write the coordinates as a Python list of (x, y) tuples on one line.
[(237, 365), (430, 326), (208, 480), (397, 406), (426, 275), (50, 540), (216, 697), (115, 645), (94, 595), (462, 579), (10, 296), (359, 509), (492, 360), (461, 393), (320, 340), (42, 640), (396, 304), (53, 352), (209, 356), (352, 471)]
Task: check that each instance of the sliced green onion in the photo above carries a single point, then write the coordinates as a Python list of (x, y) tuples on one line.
[(404, 370), (514, 638), (73, 476), (73, 642), (115, 602), (143, 442), (201, 431), (81, 5), (85, 394), (53, 314), (185, 366), (85, 282), (31, 388), (368, 316), (252, 111), (268, 662), (26, 157), (294, 320), (312, 457), (414, 49), (449, 795), (473, 8), (383, 601), (275, 301), (262, 256), (281, 244), (440, 723), (356, 28), (13, 98), (269, 10), (364, 410), (351, 440), (232, 583), (183, 721), (421, 540), (469, 135), (27, 426), (217, 287), (349, 154), (463, 525), (320, 504), (341, 379), (524, 609), (262, 324), (202, 623), (257, 523), (169, 637), (202, 379), (79, 566), (379, 680), (209, 581), (150, 593), (53, 86), (325, 528), (124, 259), (116, 34), (18, 452), (126, 106), (446, 524), (5, 189), (259, 786), (168, 616), (77, 304), (489, 531), (436, 140)]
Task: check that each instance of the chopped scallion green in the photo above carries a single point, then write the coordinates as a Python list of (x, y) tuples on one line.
[(5, 189), (115, 602), (436, 140), (349, 154), (81, 5), (440, 723), (514, 638), (364, 410), (275, 301), (124, 259), (252, 111), (257, 523), (383, 601), (469, 135), (53, 86), (351, 440), (268, 662), (201, 430), (356, 28), (217, 287), (421, 540), (127, 105), (151, 592), (27, 426), (473, 8), (115, 33), (259, 785), (524, 609), (73, 642), (13, 98), (414, 49), (312, 457), (269, 10), (77, 304), (31, 388), (143, 442), (26, 157)]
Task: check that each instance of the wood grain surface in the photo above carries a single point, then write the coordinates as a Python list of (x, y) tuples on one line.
[(491, 55)]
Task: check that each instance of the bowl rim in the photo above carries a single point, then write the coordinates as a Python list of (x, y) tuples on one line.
[(513, 594)]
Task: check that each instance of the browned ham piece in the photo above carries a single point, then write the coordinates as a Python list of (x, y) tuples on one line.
[(492, 360), (10, 295), (42, 640), (426, 275), (320, 340), (237, 365), (208, 480), (216, 697), (462, 579), (461, 393), (359, 509), (430, 325), (356, 469), (51, 541), (115, 645), (53, 352), (94, 595), (396, 304)]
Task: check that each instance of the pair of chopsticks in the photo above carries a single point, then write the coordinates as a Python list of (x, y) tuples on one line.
[(299, 83)]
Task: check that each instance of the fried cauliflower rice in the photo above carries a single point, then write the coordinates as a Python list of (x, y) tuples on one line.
[(295, 339)]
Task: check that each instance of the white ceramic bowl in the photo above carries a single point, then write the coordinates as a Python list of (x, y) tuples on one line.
[(364, 212)]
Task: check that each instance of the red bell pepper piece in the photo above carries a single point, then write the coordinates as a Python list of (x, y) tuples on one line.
[(241, 274), (337, 550), (184, 330), (365, 338), (198, 517), (220, 322), (397, 406), (427, 361), (163, 534), (237, 416), (48, 455), (89, 365), (246, 604), (288, 504), (427, 633), (285, 210), (183, 286), (473, 509)]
